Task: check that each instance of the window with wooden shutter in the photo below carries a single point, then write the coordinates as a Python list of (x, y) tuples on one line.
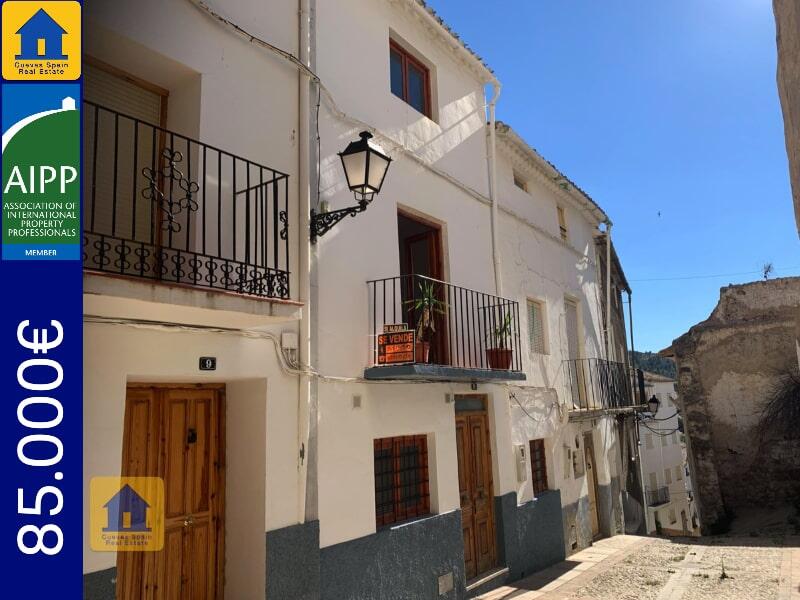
[(402, 488), (536, 327), (562, 223), (538, 466)]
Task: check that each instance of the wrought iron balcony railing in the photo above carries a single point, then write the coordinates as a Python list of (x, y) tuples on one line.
[(470, 329), (162, 206), (594, 384), (657, 496)]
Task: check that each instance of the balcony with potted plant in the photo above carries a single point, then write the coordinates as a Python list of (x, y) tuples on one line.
[(424, 328)]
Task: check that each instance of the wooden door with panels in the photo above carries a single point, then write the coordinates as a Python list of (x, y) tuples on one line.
[(591, 471), (177, 433), (475, 484)]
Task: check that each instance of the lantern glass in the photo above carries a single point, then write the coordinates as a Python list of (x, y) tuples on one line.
[(355, 169), (365, 166), (653, 404), (378, 165)]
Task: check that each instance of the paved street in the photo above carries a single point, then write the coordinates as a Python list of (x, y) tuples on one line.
[(641, 568)]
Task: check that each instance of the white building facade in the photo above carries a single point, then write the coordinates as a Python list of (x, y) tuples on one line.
[(671, 508), (231, 356)]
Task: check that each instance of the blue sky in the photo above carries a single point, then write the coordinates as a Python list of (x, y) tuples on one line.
[(657, 106)]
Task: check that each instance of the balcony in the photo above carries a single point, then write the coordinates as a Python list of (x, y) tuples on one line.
[(161, 207), (595, 384), (465, 335), (657, 496)]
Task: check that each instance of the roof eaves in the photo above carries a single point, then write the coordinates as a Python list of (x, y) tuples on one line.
[(447, 30), (566, 183)]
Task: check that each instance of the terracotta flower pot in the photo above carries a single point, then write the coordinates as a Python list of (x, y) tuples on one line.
[(499, 358), (422, 351)]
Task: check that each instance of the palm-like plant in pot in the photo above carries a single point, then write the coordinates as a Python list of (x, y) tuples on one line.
[(499, 353), (426, 305)]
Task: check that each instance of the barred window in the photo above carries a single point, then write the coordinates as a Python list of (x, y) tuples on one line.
[(536, 327), (401, 479), (538, 466)]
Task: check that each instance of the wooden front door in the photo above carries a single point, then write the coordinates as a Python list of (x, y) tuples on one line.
[(475, 488), (177, 433), (591, 471)]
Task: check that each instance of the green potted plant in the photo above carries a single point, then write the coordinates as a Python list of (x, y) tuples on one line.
[(498, 354), (426, 305)]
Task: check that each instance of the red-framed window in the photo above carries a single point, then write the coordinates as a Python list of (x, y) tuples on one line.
[(402, 489), (538, 466), (410, 79)]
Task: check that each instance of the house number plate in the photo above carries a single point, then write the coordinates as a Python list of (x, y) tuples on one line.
[(208, 363)]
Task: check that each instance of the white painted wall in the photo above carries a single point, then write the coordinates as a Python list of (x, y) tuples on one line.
[(245, 488), (117, 354)]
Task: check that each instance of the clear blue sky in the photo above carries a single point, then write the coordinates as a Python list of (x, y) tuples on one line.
[(649, 106)]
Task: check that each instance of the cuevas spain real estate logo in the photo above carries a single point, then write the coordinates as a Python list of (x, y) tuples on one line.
[(126, 514), (41, 41), (41, 183)]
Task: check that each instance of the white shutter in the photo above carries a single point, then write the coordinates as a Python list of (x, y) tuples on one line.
[(114, 196), (536, 327), (116, 93)]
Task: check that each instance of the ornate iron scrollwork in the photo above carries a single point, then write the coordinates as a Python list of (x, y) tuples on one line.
[(322, 223), (169, 205), (284, 219)]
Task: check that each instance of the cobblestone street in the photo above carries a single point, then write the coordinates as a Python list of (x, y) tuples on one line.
[(641, 568)]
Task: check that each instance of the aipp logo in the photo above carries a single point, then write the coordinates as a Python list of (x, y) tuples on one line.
[(41, 40)]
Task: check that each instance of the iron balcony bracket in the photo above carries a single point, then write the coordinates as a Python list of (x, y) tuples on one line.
[(322, 223)]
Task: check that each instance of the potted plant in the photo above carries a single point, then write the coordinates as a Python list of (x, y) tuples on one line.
[(499, 354), (425, 305)]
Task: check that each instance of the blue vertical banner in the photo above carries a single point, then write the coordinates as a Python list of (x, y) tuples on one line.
[(41, 319)]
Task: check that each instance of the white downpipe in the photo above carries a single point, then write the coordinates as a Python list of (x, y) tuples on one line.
[(608, 290), (303, 270), (498, 281)]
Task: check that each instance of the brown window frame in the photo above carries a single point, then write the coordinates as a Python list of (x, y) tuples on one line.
[(407, 59), (401, 509), (538, 466)]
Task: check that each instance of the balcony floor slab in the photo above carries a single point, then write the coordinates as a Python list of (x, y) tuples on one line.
[(441, 373)]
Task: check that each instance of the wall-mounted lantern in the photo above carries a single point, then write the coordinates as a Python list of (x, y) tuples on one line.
[(365, 165), (653, 404)]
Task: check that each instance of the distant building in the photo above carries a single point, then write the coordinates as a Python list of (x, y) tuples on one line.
[(665, 469), (728, 367)]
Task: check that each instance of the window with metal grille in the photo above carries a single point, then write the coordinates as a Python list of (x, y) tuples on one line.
[(410, 79), (536, 327), (401, 479), (538, 466)]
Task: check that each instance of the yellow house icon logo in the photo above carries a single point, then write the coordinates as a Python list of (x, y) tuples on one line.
[(41, 41)]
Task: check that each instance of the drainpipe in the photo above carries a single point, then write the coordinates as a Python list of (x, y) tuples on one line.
[(608, 290), (498, 283), (303, 270)]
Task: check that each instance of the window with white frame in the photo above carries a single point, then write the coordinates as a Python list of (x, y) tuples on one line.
[(667, 476), (536, 333), (678, 473)]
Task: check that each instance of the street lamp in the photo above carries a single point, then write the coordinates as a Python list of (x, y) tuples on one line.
[(653, 404), (365, 165)]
